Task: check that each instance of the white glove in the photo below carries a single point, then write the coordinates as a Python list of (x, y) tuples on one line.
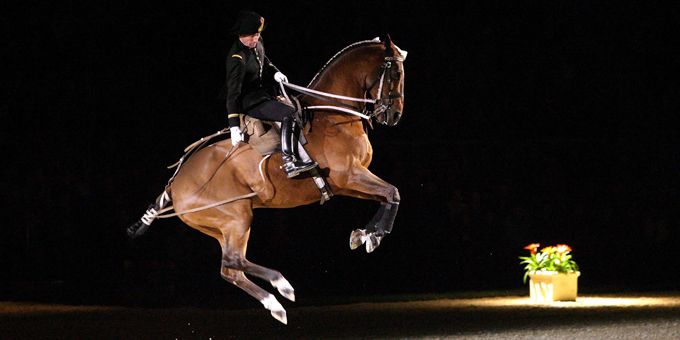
[(280, 77), (236, 135)]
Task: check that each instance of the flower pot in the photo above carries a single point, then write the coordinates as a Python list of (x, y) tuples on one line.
[(546, 287)]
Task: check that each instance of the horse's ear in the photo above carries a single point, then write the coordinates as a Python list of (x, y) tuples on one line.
[(388, 46)]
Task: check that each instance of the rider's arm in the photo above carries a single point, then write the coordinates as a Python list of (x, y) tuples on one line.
[(270, 65), (235, 74)]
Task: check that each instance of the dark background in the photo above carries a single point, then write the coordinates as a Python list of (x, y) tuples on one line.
[(548, 122)]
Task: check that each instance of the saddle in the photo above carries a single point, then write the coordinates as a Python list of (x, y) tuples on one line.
[(265, 136)]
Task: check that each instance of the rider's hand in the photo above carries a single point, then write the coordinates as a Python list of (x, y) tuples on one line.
[(236, 135), (280, 77)]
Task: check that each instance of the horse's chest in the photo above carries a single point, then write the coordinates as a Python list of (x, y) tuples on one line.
[(363, 150), (360, 146), (346, 142)]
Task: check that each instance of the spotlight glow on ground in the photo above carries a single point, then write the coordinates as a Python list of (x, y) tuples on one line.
[(586, 301)]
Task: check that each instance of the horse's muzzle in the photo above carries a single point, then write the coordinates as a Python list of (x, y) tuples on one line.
[(394, 118)]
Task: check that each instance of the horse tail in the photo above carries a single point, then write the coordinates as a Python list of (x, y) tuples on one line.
[(142, 225)]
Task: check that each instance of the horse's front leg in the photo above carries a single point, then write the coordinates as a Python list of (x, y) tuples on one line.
[(375, 230), (363, 184)]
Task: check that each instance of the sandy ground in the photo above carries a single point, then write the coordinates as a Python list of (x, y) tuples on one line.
[(627, 316)]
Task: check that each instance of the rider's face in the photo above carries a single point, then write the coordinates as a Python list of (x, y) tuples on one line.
[(250, 40)]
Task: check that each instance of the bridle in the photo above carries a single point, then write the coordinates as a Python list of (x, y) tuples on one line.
[(372, 107), (383, 103)]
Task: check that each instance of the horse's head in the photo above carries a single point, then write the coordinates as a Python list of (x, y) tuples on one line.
[(388, 85), (370, 69)]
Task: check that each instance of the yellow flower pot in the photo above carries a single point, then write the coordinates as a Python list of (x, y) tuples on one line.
[(546, 287)]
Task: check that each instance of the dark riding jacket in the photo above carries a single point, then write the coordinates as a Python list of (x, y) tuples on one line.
[(250, 79)]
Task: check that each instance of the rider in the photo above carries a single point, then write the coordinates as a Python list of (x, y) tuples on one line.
[(247, 92)]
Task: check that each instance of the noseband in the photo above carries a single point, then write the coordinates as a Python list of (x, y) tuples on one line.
[(383, 103)]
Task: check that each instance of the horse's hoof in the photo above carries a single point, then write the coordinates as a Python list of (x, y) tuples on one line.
[(284, 288), (288, 293), (372, 242), (281, 316), (276, 309), (357, 238)]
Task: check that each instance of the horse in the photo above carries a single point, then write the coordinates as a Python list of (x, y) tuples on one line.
[(245, 180)]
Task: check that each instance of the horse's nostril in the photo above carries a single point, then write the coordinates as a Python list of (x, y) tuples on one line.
[(397, 117)]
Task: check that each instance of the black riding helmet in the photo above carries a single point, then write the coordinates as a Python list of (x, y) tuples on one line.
[(248, 23)]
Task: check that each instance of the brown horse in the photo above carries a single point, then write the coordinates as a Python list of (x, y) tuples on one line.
[(336, 140)]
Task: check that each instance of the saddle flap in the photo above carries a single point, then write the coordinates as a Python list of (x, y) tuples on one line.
[(263, 136), (253, 126)]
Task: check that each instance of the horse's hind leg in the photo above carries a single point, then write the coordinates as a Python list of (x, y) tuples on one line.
[(237, 278), (234, 261), (273, 276), (235, 234)]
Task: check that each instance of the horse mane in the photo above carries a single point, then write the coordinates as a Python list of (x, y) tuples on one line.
[(342, 51)]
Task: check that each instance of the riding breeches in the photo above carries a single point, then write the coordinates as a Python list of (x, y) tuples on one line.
[(271, 110)]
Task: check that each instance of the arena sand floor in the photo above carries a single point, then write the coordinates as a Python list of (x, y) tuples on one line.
[(615, 316)]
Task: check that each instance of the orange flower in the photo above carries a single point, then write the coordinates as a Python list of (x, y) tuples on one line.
[(532, 247), (548, 250), (563, 248)]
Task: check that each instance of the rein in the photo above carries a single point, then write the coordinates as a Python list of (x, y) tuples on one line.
[(212, 205), (369, 111), (323, 95)]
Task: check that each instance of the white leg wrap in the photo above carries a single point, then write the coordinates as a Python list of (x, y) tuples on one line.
[(149, 216), (164, 199)]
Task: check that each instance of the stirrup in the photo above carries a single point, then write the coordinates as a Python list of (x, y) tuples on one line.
[(293, 169)]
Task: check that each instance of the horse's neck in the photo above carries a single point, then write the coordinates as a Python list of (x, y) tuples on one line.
[(347, 75), (340, 85), (341, 80), (343, 84)]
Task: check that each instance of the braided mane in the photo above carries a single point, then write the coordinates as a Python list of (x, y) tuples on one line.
[(350, 47)]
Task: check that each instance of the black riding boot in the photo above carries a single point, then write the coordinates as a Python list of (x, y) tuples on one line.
[(292, 164)]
